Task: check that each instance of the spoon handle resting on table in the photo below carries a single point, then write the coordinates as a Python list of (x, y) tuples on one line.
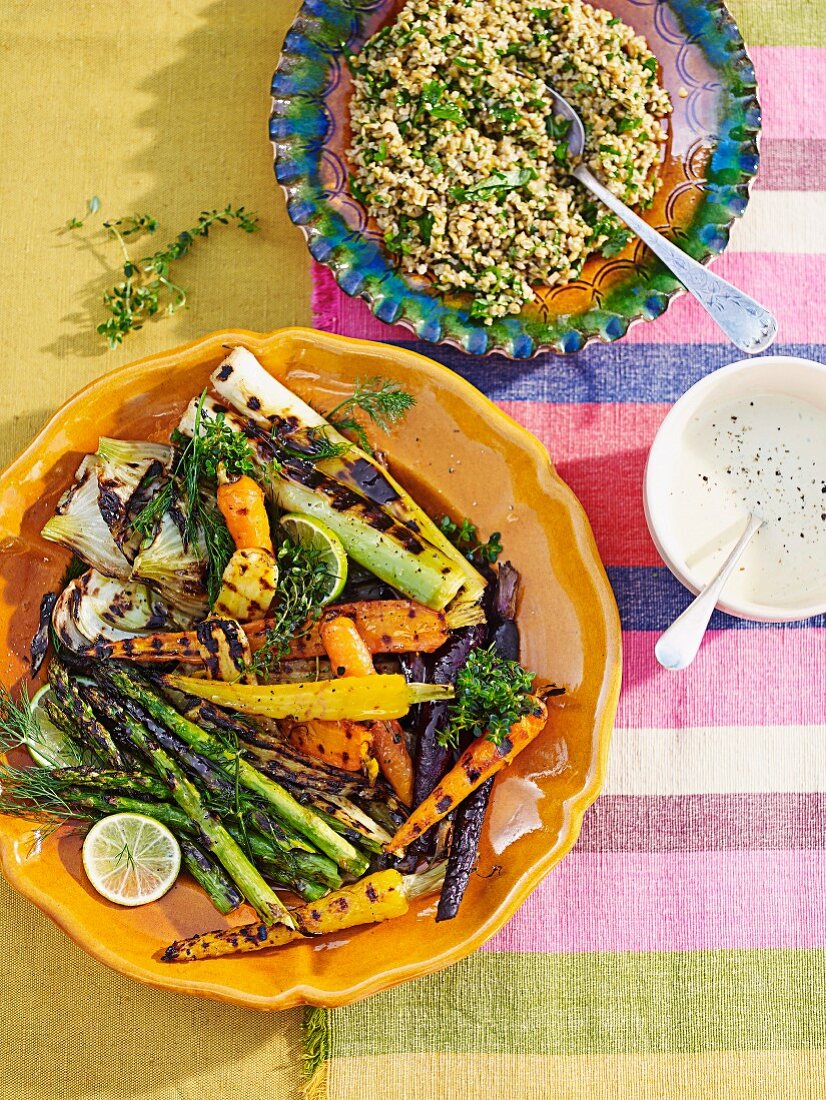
[(677, 647), (746, 323)]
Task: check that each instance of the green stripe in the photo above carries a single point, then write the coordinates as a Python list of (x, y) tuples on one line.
[(657, 1002), (780, 22)]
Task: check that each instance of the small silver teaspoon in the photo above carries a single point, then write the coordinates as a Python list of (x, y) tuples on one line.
[(677, 647), (746, 323)]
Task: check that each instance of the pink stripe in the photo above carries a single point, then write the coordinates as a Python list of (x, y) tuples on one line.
[(598, 445), (792, 164), (674, 902), (333, 311), (781, 281), (739, 678), (792, 88)]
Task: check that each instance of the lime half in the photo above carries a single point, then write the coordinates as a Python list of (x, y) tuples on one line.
[(308, 531), (131, 859), (48, 745)]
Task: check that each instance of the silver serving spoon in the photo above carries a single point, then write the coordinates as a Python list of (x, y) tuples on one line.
[(677, 647), (746, 323)]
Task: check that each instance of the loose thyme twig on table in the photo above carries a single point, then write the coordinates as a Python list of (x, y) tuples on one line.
[(147, 286)]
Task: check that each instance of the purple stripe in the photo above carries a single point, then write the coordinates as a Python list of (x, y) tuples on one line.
[(790, 165), (704, 822)]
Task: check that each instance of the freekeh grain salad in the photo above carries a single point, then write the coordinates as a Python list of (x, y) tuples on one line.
[(457, 156)]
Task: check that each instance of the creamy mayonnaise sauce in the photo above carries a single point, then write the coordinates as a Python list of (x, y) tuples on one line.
[(764, 454)]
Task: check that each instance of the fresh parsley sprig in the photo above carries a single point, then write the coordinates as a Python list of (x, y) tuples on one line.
[(380, 399), (492, 694), (147, 286), (465, 537)]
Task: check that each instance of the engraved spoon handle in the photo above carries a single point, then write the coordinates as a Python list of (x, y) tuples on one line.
[(746, 323), (677, 647)]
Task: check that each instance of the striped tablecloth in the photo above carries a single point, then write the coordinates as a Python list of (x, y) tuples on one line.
[(679, 950)]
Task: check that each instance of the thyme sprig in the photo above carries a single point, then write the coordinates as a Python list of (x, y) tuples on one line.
[(147, 286), (303, 584), (465, 537), (492, 694)]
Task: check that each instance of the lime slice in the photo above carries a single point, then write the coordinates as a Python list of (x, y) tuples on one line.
[(308, 531), (131, 859), (48, 745)]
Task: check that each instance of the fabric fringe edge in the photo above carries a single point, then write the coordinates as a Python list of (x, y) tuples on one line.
[(316, 1053)]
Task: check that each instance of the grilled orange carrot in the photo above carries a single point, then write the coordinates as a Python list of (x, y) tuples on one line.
[(378, 897), (386, 626), (345, 647), (241, 503), (478, 762), (345, 744), (349, 656)]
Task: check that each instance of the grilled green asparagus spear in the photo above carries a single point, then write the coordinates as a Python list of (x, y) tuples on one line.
[(129, 683), (248, 879), (95, 735), (220, 789), (210, 875)]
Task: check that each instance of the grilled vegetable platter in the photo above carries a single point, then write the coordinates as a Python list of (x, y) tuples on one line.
[(268, 667)]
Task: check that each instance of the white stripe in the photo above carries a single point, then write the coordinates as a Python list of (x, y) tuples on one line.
[(717, 760), (782, 221)]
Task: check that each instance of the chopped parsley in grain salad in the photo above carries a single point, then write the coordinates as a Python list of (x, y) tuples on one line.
[(455, 155)]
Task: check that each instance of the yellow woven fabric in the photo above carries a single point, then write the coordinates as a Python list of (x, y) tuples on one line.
[(159, 108)]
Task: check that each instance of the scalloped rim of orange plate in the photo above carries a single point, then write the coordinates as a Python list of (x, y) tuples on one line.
[(185, 977)]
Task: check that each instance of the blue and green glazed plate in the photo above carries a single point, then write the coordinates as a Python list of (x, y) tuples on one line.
[(709, 161)]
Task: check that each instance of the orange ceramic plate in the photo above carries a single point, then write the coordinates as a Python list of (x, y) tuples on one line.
[(456, 452)]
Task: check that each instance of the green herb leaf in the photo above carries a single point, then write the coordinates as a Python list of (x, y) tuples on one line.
[(626, 125), (498, 182), (425, 223), (302, 587), (617, 235), (557, 127), (380, 399), (492, 694), (147, 286), (465, 537)]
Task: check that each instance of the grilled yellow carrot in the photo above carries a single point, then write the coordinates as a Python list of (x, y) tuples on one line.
[(247, 585), (378, 897), (362, 698)]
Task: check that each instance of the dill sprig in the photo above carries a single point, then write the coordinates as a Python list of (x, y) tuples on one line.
[(317, 446), (382, 400), (303, 584), (191, 485), (147, 285), (17, 723), (465, 537), (492, 694)]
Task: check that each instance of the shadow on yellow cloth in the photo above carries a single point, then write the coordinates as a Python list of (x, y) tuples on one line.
[(160, 109)]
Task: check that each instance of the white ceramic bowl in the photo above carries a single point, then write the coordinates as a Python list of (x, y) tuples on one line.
[(781, 374)]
